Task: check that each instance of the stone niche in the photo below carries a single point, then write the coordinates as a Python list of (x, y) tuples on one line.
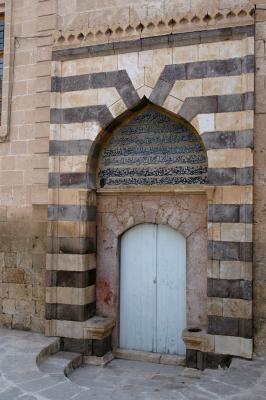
[(118, 212)]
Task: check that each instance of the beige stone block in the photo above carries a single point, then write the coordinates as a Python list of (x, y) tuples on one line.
[(215, 306), (213, 269), (13, 275), (70, 262), (74, 296), (162, 57), (235, 195), (230, 270), (43, 84), (44, 53), (235, 346), (41, 130), (248, 83), (47, 22), (18, 291), (39, 146), (110, 63), (136, 74), (7, 163), (237, 308), (107, 96), (76, 131), (144, 91), (40, 161), (234, 120), (224, 85), (42, 99), (246, 271), (236, 270), (42, 114), (68, 163), (39, 176), (209, 51), (9, 306), (152, 75), (145, 59), (81, 98), (47, 7), (172, 104), (117, 108), (183, 89), (19, 147), (11, 178), (185, 54), (232, 48), (236, 232), (39, 194), (214, 231), (43, 68), (230, 158)]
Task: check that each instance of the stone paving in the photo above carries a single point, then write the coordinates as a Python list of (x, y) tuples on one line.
[(21, 378)]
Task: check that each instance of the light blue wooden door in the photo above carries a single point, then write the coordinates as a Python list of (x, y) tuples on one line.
[(153, 289)]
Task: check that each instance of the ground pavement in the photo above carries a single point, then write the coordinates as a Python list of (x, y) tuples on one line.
[(26, 373)]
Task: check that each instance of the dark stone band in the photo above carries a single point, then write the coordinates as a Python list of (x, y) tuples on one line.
[(88, 347), (71, 213), (70, 245), (230, 213), (229, 288), (69, 147), (230, 326), (81, 180), (99, 113), (201, 360), (74, 279), (230, 176), (230, 251), (228, 140), (193, 106), (172, 40), (69, 312)]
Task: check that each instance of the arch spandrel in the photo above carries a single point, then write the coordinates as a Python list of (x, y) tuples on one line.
[(152, 147)]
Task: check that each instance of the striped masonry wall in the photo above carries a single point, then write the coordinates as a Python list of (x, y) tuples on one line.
[(207, 79)]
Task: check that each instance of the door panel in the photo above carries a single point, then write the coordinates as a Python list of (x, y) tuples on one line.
[(137, 288), (153, 289), (171, 291)]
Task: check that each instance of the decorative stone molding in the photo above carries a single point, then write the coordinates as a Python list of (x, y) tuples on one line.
[(155, 27), (98, 328)]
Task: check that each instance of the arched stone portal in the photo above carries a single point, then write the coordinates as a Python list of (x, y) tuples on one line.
[(149, 170)]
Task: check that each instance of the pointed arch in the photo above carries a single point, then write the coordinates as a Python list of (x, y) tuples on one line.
[(148, 145)]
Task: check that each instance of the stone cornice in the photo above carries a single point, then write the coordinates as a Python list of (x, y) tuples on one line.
[(156, 27)]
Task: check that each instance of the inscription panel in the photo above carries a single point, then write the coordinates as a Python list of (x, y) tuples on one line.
[(153, 149)]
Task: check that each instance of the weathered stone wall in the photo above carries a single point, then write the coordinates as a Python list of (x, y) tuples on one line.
[(22, 226)]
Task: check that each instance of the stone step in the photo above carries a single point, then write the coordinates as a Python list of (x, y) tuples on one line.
[(61, 364)]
